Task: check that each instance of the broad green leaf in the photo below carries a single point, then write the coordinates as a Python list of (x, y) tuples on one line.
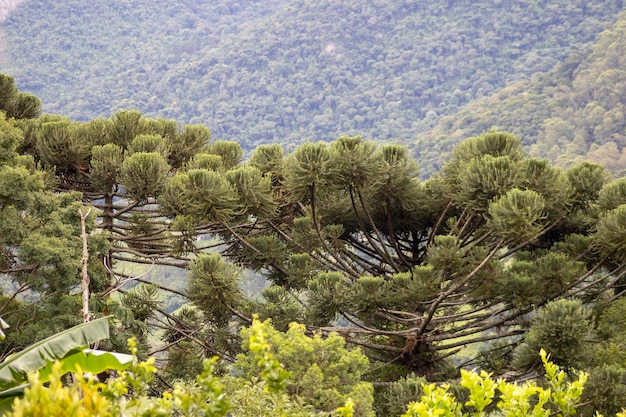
[(89, 360), (14, 369)]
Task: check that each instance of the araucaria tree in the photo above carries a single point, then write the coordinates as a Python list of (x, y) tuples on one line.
[(353, 241), (119, 166), (349, 237)]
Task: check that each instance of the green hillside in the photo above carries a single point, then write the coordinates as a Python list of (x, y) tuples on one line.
[(288, 71), (569, 114)]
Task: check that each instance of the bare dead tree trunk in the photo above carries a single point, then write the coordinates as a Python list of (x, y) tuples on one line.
[(85, 258)]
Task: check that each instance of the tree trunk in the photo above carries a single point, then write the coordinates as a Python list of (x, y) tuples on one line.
[(85, 258)]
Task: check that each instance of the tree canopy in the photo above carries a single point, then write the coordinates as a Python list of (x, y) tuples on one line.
[(352, 241), (389, 276), (348, 236)]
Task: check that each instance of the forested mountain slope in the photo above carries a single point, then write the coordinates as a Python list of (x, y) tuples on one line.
[(7, 7), (571, 113), (288, 71)]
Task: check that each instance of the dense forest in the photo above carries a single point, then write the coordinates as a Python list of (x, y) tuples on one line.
[(287, 72), (572, 113)]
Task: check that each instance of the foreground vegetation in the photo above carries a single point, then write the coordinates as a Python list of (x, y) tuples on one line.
[(264, 387)]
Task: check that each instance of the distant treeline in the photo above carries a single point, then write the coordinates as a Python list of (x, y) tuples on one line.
[(285, 71)]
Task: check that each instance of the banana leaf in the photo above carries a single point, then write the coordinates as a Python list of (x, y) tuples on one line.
[(14, 369), (88, 360), (70, 348)]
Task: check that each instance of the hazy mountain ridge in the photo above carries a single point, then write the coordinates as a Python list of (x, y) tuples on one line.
[(285, 72)]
